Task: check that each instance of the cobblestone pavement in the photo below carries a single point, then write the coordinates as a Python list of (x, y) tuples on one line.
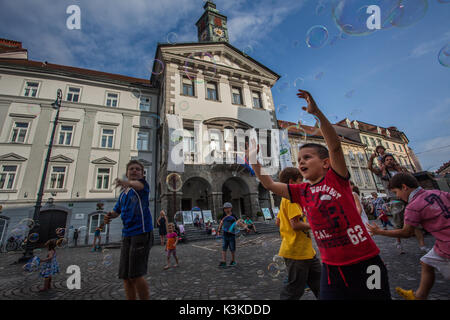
[(198, 277)]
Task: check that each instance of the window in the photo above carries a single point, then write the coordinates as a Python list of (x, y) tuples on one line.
[(211, 90), (372, 141), (19, 132), (145, 104), (111, 99), (31, 89), (365, 140), (73, 94), (387, 145), (103, 175), (7, 176), (107, 138), (366, 176), (188, 141), (357, 176), (362, 161), (96, 221), (395, 146), (256, 100), (379, 142), (352, 156), (188, 87), (65, 135), (142, 141), (2, 228), (237, 99), (57, 177)]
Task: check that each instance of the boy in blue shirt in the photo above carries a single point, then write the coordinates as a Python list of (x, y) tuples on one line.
[(229, 238), (137, 232)]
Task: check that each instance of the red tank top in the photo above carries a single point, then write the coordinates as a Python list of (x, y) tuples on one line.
[(331, 211)]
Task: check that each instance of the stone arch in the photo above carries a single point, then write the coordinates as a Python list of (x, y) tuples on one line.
[(237, 191)]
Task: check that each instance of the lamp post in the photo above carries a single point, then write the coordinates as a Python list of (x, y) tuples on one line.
[(28, 254)]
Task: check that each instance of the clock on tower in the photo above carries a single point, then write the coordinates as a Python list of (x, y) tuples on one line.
[(212, 26)]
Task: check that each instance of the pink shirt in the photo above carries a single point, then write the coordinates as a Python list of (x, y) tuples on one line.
[(431, 209)]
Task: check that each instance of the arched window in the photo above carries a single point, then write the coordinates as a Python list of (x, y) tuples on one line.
[(95, 221)]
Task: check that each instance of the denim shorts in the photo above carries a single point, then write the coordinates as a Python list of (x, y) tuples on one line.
[(229, 240)]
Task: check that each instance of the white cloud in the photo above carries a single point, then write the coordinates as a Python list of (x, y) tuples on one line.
[(430, 46)]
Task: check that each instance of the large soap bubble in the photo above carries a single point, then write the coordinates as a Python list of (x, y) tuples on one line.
[(353, 13), (408, 12), (444, 56), (317, 37)]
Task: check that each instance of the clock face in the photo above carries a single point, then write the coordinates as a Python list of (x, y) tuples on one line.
[(219, 32)]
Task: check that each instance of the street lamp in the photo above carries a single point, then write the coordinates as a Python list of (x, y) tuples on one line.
[(28, 254)]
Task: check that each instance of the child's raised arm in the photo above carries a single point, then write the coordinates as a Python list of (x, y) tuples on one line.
[(332, 140), (278, 188)]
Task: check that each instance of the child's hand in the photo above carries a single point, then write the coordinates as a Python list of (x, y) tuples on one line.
[(120, 183), (107, 218), (373, 228), (312, 106)]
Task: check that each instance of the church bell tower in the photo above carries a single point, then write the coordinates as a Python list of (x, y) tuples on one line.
[(212, 26)]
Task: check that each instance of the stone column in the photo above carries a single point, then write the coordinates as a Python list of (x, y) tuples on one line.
[(217, 205), (254, 205)]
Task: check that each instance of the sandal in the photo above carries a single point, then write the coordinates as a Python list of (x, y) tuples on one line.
[(166, 267)]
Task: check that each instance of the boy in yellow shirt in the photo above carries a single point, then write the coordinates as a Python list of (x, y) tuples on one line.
[(296, 248)]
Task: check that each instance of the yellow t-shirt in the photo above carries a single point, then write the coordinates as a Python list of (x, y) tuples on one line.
[(295, 245)]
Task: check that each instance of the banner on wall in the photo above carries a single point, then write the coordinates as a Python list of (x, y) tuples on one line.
[(266, 213), (175, 161), (285, 150)]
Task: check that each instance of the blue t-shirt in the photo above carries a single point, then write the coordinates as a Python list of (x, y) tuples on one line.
[(134, 211), (228, 224)]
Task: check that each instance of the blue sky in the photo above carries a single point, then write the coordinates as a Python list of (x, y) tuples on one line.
[(390, 77)]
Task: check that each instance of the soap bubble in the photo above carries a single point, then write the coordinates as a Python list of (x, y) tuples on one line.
[(295, 43), (444, 55), (272, 270), (260, 273), (283, 86), (184, 105), (279, 261), (155, 66), (298, 82), (320, 9), (61, 232), (319, 75), (172, 37), (282, 108), (107, 260), (27, 222), (61, 243), (316, 37), (395, 207), (174, 182), (34, 237), (354, 13), (408, 12), (248, 50), (136, 93), (350, 93)]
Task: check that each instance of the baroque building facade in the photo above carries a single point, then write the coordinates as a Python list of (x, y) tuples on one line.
[(104, 121)]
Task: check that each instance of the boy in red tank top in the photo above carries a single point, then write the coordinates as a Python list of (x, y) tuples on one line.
[(352, 268)]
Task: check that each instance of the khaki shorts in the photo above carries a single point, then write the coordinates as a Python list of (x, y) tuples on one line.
[(134, 255)]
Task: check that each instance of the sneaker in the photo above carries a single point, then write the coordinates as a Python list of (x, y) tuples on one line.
[(232, 263), (406, 294), (223, 264), (425, 249)]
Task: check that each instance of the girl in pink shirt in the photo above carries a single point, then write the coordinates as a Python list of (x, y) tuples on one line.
[(431, 210)]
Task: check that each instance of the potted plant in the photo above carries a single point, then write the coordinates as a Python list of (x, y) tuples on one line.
[(260, 216)]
